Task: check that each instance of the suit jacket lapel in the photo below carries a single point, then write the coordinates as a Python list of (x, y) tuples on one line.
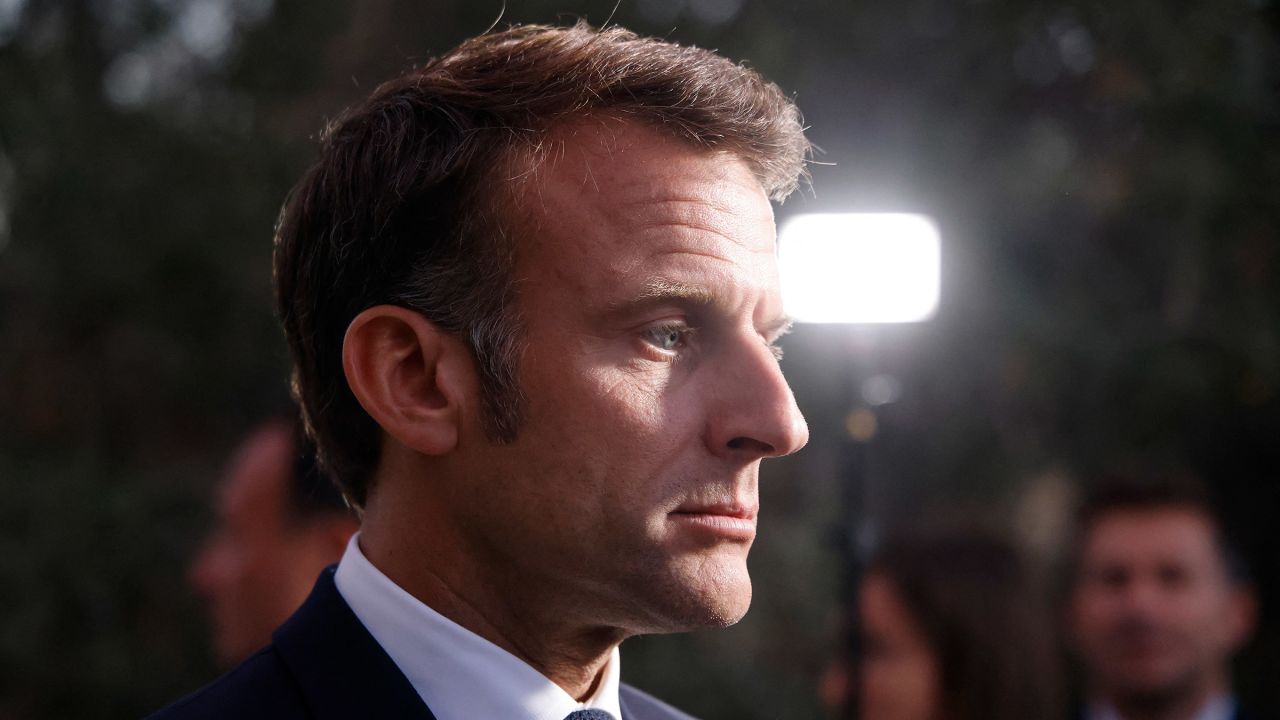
[(340, 668)]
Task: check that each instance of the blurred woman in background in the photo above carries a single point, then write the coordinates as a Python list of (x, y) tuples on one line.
[(948, 626)]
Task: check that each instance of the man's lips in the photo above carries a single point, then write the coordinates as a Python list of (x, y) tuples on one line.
[(728, 520), (730, 508)]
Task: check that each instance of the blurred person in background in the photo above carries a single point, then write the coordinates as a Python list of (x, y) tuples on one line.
[(949, 625), (531, 293), (278, 523), (1159, 602)]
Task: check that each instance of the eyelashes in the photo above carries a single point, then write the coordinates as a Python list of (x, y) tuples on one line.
[(671, 339)]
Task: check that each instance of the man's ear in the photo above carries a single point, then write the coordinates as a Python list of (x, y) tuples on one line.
[(412, 378), (1243, 614)]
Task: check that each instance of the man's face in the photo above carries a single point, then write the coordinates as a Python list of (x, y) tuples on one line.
[(1154, 610), (256, 567), (648, 289)]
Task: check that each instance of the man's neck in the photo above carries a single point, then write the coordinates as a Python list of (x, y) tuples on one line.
[(532, 628), (1186, 704)]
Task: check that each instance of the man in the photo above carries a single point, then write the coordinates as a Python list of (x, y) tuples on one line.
[(531, 294), (279, 523), (1158, 605)]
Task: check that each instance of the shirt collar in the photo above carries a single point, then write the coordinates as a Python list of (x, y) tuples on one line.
[(1218, 707), (459, 674)]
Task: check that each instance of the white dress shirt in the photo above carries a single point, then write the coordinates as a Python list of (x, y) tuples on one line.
[(459, 674), (1219, 707)]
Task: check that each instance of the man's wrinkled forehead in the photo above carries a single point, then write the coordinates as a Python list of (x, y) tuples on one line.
[(624, 217), (607, 174), (587, 155)]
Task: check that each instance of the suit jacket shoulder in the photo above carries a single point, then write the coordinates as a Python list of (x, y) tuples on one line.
[(258, 687), (321, 664)]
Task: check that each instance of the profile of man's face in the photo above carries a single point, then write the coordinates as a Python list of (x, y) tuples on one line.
[(257, 565), (1154, 609), (648, 292)]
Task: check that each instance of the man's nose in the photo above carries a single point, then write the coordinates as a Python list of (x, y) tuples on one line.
[(753, 414), (1141, 596)]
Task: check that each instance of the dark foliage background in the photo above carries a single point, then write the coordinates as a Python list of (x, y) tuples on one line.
[(1105, 175)]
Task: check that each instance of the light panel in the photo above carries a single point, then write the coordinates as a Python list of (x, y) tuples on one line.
[(859, 267)]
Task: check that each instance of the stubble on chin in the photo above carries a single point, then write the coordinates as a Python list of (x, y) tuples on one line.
[(711, 593)]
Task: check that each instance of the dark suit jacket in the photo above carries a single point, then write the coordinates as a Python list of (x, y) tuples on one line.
[(322, 664), (1081, 712)]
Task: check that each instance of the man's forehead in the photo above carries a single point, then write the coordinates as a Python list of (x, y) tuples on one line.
[(1172, 531), (618, 196), (605, 153)]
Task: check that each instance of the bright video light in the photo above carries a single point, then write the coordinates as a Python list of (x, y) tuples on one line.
[(859, 267)]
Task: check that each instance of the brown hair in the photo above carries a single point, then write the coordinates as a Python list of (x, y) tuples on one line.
[(406, 203), (983, 617), (1139, 487), (310, 496)]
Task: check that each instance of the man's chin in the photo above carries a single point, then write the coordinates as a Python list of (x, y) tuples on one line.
[(714, 596), (1151, 686)]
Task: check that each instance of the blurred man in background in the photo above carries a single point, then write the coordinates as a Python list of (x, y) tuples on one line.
[(278, 524), (1159, 604)]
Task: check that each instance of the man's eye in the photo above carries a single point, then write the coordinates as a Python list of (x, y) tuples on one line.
[(1113, 577), (668, 338), (1173, 576)]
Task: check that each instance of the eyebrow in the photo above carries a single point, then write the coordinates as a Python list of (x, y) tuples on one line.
[(661, 290)]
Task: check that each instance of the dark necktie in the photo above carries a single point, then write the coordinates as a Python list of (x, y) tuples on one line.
[(591, 714)]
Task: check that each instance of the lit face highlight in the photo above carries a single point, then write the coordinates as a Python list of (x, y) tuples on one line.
[(648, 289), (1155, 614)]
